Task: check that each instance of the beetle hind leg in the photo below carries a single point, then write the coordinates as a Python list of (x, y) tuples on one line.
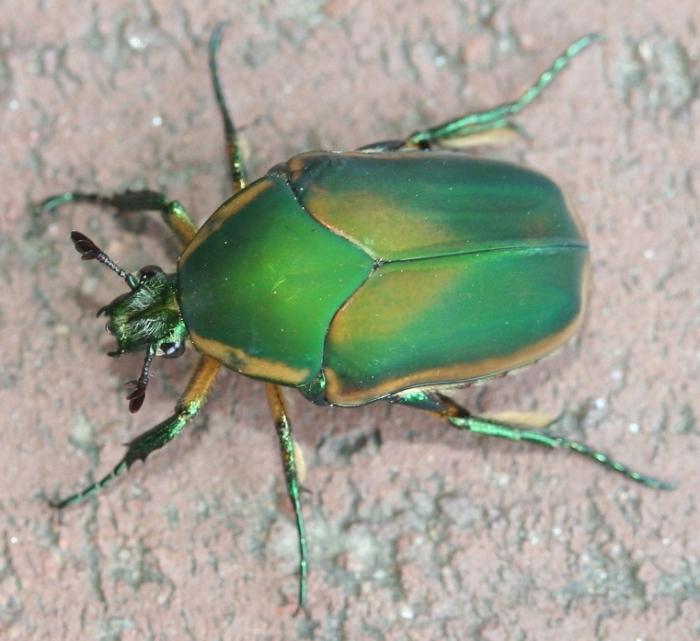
[(462, 419), (487, 122), (291, 473), (186, 409)]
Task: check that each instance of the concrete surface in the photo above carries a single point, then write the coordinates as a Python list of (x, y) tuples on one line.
[(416, 532)]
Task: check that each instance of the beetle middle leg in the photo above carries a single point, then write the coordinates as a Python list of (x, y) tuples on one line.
[(186, 409), (289, 462), (462, 419), (497, 118), (236, 165)]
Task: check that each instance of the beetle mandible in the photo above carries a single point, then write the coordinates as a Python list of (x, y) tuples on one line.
[(386, 273)]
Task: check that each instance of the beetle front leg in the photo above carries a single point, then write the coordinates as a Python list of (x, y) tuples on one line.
[(173, 213), (496, 118), (462, 419), (186, 409), (289, 462)]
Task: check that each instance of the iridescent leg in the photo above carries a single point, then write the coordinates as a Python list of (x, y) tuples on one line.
[(480, 122), (233, 148), (460, 418), (289, 462), (186, 409), (173, 213)]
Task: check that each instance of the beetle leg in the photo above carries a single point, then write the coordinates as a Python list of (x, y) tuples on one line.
[(236, 166), (173, 213), (289, 462), (481, 122), (186, 409), (459, 417)]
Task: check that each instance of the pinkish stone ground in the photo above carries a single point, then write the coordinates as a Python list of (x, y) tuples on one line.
[(417, 532)]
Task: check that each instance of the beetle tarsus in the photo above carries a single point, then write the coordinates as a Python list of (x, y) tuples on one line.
[(91, 489), (236, 166), (141, 447), (173, 213), (462, 419), (289, 462), (498, 117)]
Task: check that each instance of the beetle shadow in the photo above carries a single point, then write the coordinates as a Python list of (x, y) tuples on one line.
[(336, 435), (152, 228)]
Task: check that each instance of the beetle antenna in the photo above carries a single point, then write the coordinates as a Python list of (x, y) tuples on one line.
[(88, 250), (137, 392)]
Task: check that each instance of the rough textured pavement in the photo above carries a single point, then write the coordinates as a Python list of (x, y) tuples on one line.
[(416, 532)]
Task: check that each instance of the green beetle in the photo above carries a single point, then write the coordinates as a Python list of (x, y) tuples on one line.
[(385, 273), (454, 240)]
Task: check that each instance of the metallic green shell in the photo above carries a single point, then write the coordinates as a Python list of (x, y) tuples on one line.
[(413, 269), (261, 281), (409, 205), (482, 268)]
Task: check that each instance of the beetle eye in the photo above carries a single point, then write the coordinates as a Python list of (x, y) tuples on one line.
[(149, 270), (172, 350)]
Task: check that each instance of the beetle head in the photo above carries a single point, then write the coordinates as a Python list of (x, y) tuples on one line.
[(147, 317)]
